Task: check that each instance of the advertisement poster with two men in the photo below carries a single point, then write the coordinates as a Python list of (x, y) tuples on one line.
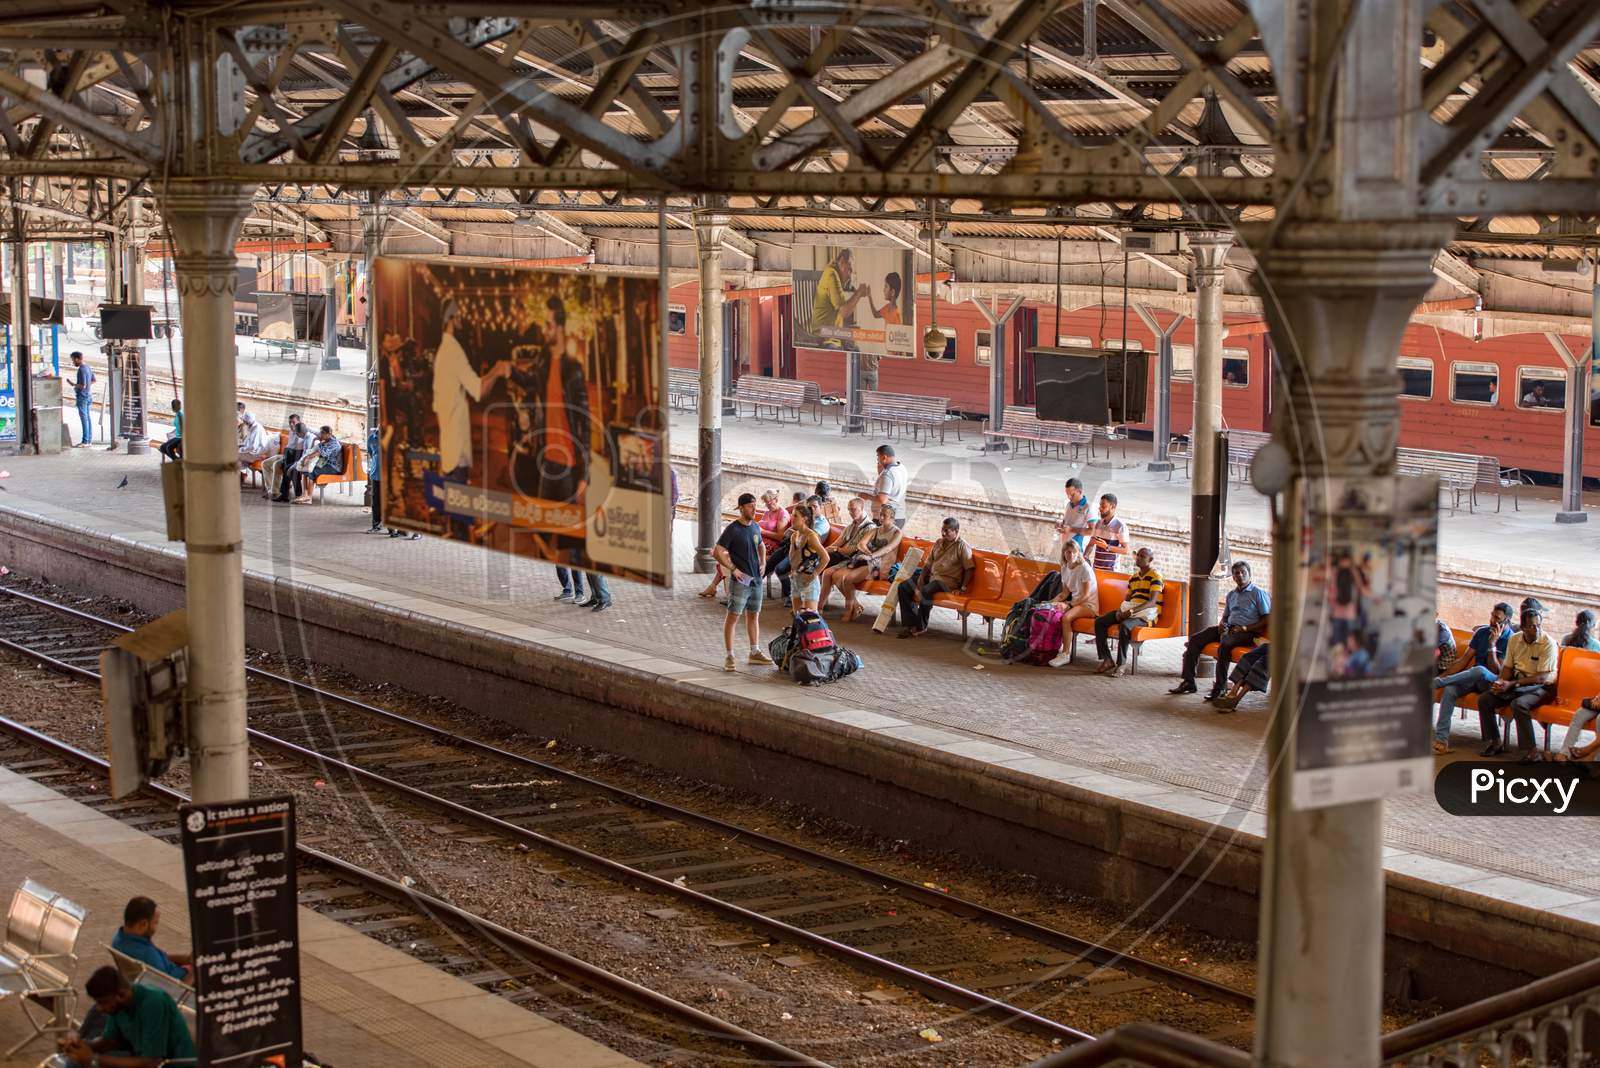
[(522, 410), (855, 299)]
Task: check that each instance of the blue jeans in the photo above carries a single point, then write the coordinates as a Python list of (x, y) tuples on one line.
[(598, 590), (571, 581), (83, 415), (1475, 679)]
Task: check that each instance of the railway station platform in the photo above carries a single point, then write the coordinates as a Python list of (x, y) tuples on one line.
[(1157, 791), (364, 1004)]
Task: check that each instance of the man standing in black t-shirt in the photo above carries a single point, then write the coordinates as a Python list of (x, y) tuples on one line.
[(744, 557)]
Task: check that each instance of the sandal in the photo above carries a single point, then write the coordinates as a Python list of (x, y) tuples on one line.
[(708, 594), (851, 612)]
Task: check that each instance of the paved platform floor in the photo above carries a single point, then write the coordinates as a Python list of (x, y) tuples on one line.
[(1123, 737), (364, 1004)]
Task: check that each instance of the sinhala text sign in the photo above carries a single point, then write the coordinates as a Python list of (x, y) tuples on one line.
[(238, 857), (1365, 649), (855, 299), (523, 410)]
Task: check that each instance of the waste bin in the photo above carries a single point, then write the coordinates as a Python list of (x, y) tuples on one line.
[(49, 414)]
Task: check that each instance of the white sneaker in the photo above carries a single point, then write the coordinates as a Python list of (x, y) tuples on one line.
[(728, 663), (1062, 660), (565, 597), (759, 657)]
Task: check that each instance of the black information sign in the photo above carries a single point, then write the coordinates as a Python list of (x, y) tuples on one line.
[(239, 861), (128, 360)]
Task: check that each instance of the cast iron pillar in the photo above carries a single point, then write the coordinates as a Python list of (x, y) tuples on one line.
[(708, 228), (205, 218), (1337, 297), (1210, 251)]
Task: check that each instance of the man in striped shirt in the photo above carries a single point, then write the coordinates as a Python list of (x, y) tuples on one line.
[(1138, 609), (1108, 535)]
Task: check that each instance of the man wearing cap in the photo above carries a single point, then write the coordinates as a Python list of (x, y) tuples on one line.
[(890, 488), (743, 556)]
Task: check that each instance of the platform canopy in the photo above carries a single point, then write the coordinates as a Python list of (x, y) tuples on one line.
[(544, 130)]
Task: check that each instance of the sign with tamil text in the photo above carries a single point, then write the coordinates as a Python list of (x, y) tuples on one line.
[(238, 858)]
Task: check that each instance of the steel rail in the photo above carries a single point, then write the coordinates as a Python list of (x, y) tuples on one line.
[(1093, 952), (578, 971), (931, 986)]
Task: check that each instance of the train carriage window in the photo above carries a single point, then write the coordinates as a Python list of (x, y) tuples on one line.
[(1543, 388), (983, 347), (1236, 368), (1183, 363), (677, 320), (1416, 377), (949, 354), (1475, 383)]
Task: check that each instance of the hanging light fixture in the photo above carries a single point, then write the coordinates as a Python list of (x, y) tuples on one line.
[(933, 341)]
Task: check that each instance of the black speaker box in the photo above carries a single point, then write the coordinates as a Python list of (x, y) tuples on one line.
[(1089, 386)]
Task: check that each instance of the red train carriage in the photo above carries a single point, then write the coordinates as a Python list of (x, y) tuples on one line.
[(1502, 397)]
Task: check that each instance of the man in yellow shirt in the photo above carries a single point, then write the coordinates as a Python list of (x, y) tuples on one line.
[(1138, 609), (1527, 680), (835, 301)]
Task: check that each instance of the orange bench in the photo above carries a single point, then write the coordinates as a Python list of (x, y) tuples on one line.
[(1577, 677), (283, 443), (1466, 700), (1172, 618)]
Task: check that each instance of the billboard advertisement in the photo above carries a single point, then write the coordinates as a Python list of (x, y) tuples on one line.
[(1365, 653), (290, 316), (853, 299), (523, 410)]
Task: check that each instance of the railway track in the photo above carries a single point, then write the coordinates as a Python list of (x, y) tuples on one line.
[(1005, 968), (492, 957)]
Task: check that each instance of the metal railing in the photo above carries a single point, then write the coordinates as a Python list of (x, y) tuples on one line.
[(1552, 1022)]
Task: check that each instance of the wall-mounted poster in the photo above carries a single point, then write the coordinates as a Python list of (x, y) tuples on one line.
[(291, 316), (1365, 652), (853, 299), (523, 410)]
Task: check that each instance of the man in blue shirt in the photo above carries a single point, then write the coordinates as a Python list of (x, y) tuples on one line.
[(1474, 671), (83, 396), (136, 939), (1244, 619)]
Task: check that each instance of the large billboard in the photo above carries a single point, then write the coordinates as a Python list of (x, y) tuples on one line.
[(523, 410), (853, 299)]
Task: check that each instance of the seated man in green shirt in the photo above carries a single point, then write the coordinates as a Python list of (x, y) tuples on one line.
[(143, 1026)]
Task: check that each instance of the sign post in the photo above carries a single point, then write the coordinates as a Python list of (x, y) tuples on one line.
[(238, 859)]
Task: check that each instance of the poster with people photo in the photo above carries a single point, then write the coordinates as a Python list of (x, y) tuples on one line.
[(1365, 650), (853, 299), (522, 410)]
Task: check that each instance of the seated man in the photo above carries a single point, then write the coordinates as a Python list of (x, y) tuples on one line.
[(1474, 670), (1527, 680), (1250, 673), (1139, 609), (136, 939), (948, 569), (276, 470), (870, 563), (858, 530), (330, 461), (1244, 619), (255, 445), (143, 1026)]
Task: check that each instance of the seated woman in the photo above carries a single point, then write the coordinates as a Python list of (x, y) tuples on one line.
[(774, 524), (877, 555), (1249, 674), (1080, 594)]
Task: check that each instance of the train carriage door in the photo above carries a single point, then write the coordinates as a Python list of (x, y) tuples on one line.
[(785, 338), (1024, 327), (733, 346), (1269, 380)]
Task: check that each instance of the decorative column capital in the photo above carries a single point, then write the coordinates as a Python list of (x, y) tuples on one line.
[(1210, 251), (1337, 297), (205, 218), (709, 226)]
